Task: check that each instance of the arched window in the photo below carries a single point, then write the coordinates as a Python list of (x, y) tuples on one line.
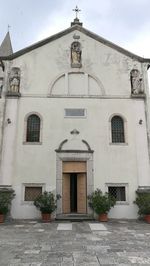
[(33, 128), (117, 129)]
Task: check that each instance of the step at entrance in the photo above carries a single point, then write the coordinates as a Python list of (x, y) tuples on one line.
[(74, 217)]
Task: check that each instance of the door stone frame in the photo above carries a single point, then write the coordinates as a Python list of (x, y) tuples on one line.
[(63, 156)]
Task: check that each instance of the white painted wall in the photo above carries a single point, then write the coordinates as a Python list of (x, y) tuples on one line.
[(41, 66), (9, 141), (112, 163)]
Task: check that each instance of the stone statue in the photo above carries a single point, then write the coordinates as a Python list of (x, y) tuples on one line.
[(136, 82), (75, 54), (14, 80)]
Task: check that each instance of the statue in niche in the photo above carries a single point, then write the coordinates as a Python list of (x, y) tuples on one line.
[(14, 80), (136, 82), (76, 54)]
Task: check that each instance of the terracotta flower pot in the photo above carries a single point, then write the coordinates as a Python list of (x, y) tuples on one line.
[(1, 218), (46, 217), (103, 217), (147, 218)]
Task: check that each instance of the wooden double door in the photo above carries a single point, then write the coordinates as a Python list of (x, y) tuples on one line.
[(74, 188)]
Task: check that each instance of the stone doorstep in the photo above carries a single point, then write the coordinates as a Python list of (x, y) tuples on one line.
[(74, 217)]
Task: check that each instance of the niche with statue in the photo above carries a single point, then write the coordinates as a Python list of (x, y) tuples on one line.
[(14, 82), (76, 54), (136, 82)]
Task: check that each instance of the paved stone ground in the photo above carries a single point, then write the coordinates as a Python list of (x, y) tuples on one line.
[(30, 243)]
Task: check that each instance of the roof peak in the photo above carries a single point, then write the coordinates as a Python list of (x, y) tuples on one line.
[(6, 46), (69, 30)]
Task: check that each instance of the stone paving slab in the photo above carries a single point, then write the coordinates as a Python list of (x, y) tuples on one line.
[(31, 243), (64, 227), (97, 227)]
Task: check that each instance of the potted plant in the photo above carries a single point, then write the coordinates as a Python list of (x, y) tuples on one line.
[(46, 203), (6, 196), (143, 202), (101, 203)]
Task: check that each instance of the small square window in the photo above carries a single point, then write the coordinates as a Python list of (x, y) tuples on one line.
[(118, 192), (31, 193)]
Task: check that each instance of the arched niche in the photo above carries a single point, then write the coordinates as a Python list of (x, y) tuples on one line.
[(136, 82), (76, 84)]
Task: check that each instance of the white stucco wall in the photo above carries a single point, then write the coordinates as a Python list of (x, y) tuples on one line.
[(120, 163)]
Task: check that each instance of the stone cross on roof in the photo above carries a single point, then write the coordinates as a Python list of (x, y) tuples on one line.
[(76, 20), (77, 10)]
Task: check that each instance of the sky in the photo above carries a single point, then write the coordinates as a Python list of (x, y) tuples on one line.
[(123, 22)]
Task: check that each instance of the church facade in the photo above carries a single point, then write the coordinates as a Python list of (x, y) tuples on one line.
[(74, 117)]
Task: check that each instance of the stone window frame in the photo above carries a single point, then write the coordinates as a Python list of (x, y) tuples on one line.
[(125, 131), (24, 185), (25, 129), (126, 185)]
